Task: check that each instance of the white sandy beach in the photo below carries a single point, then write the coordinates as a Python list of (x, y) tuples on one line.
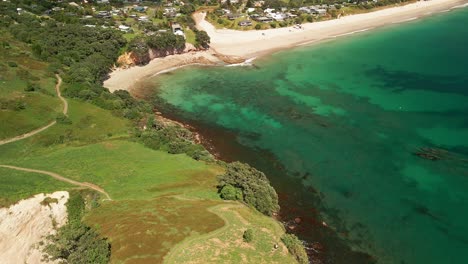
[(254, 43), (249, 44)]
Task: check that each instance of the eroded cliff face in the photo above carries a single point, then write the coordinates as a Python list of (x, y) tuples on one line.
[(25, 224)]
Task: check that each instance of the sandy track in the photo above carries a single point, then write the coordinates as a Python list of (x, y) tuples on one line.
[(39, 130), (61, 178)]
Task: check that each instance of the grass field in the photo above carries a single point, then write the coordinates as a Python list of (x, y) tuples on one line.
[(226, 245), (17, 69), (18, 185)]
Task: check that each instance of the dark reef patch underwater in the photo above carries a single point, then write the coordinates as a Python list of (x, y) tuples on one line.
[(368, 134)]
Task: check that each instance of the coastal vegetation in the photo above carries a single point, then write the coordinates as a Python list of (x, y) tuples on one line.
[(295, 247), (245, 183), (76, 242), (154, 172)]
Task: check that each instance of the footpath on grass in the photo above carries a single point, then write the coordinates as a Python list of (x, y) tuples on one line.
[(61, 178), (39, 130)]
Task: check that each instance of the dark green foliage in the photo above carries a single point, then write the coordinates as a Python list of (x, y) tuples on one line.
[(12, 64), (12, 104), (31, 87), (85, 53), (256, 189), (248, 235), (202, 39), (164, 43), (76, 242), (47, 201), (174, 140), (258, 26), (229, 192), (187, 9), (140, 50), (295, 247)]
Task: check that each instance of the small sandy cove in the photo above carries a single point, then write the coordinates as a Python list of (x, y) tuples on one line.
[(229, 45), (25, 224)]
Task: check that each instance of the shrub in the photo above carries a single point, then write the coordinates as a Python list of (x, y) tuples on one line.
[(273, 25), (248, 235), (31, 87), (63, 119), (258, 26), (19, 105), (295, 247), (256, 189), (229, 192), (48, 200), (12, 64)]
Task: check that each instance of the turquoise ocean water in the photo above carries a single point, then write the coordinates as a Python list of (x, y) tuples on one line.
[(341, 121)]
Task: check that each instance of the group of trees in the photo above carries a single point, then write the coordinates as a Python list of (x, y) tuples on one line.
[(76, 242), (172, 138), (245, 183), (85, 54)]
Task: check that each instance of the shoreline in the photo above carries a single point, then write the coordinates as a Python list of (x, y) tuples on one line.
[(232, 47)]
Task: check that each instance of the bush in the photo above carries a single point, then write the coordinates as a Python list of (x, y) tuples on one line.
[(258, 26), (248, 235), (256, 189), (295, 247), (63, 119), (12, 64), (273, 25), (31, 87), (229, 192)]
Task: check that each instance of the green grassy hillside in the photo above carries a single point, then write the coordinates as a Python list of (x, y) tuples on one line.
[(161, 203)]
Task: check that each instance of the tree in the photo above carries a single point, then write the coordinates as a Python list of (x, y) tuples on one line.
[(229, 192), (256, 189), (202, 39), (248, 235), (140, 50)]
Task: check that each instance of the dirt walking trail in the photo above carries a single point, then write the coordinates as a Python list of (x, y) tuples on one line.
[(61, 178), (39, 130)]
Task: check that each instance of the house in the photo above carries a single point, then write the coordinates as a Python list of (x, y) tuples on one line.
[(321, 11), (259, 3), (233, 16), (245, 23), (268, 10), (176, 27), (140, 9), (263, 19), (250, 10), (143, 19), (279, 16), (124, 28), (179, 33)]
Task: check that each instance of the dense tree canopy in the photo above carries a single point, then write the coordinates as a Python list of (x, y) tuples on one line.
[(255, 187)]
